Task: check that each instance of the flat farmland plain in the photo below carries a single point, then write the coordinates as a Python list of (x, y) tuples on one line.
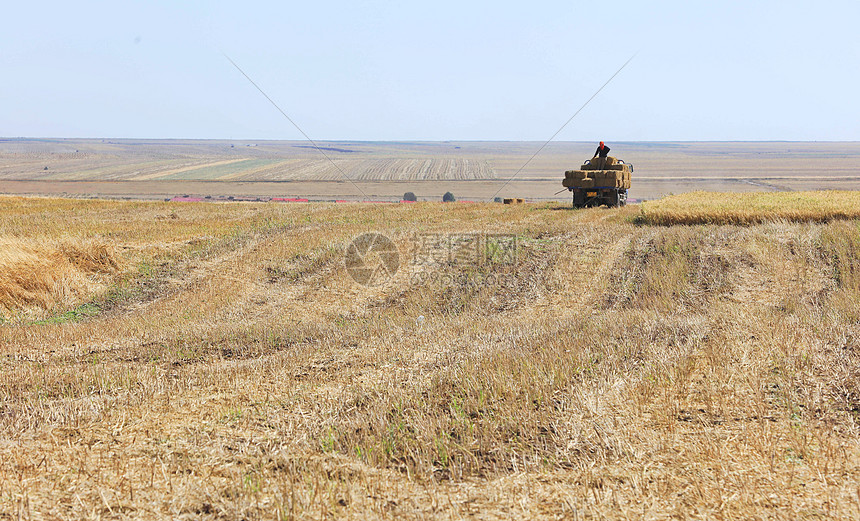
[(153, 169)]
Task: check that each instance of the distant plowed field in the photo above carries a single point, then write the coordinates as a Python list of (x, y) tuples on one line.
[(246, 169), (367, 170), (298, 163), (389, 169)]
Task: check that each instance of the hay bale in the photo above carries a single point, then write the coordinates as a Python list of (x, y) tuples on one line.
[(609, 178), (603, 163), (587, 182), (600, 163)]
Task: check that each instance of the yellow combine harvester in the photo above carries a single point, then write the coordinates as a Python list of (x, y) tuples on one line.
[(602, 180)]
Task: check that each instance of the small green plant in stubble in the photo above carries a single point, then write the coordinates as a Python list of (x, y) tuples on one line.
[(79, 313)]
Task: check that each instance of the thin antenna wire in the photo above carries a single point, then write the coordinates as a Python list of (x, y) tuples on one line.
[(557, 132), (312, 142)]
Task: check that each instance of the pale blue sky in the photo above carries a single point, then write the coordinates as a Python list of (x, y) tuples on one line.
[(385, 70)]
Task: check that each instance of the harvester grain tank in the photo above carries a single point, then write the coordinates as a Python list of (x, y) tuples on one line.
[(601, 180)]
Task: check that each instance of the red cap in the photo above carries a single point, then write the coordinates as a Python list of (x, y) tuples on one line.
[(601, 144)]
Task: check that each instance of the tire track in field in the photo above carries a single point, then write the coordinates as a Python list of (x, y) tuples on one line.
[(583, 271)]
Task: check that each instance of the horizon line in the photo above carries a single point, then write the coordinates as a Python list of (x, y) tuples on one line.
[(394, 141)]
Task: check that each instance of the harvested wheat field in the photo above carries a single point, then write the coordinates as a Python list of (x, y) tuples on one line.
[(218, 361)]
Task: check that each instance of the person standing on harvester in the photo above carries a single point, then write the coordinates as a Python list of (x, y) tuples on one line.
[(602, 150)]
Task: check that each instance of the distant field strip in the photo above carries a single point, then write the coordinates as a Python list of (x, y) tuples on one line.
[(751, 208), (113, 171), (220, 170), (169, 174), (427, 169), (86, 167), (394, 169), (73, 166)]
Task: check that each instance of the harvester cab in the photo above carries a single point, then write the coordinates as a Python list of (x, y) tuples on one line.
[(600, 181)]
